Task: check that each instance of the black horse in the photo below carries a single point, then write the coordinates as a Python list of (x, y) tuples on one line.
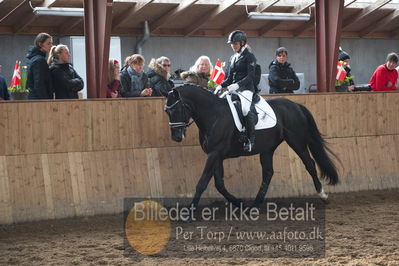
[(219, 138)]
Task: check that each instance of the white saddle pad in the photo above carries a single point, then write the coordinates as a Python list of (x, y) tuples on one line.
[(266, 116)]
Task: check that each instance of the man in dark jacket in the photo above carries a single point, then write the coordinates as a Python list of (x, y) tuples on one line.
[(282, 78), (159, 77)]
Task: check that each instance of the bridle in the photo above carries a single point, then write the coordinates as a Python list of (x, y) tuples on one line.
[(178, 124)]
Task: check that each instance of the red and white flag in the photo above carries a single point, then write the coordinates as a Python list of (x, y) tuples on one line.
[(16, 77), (217, 73), (341, 73)]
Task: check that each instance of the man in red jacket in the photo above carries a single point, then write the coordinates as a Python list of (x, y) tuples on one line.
[(385, 76)]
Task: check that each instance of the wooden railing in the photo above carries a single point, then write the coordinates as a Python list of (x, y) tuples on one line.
[(66, 158)]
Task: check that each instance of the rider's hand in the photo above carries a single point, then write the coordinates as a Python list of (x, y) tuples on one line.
[(218, 88), (233, 87)]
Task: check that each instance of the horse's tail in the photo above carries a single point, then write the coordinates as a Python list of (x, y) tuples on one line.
[(318, 147)]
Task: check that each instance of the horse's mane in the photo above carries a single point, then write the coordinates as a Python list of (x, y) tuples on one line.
[(191, 89)]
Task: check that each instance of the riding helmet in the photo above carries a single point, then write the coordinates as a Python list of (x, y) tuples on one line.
[(237, 36), (342, 55)]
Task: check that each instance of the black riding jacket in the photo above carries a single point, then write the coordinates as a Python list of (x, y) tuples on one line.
[(242, 71)]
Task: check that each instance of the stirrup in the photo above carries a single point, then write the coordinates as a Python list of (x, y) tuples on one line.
[(248, 146)]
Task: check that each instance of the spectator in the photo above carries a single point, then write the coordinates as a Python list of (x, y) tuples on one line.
[(3, 88), (397, 81), (282, 78), (126, 63), (133, 80), (199, 73), (66, 81), (385, 76), (159, 76), (114, 78), (348, 84), (39, 79)]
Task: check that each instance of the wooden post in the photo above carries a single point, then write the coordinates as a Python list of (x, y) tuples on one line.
[(97, 28), (328, 34)]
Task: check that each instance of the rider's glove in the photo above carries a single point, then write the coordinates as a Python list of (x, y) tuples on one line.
[(218, 88), (233, 87)]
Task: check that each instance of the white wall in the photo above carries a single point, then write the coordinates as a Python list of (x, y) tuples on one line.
[(78, 50)]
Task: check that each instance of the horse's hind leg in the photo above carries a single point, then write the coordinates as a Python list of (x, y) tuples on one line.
[(310, 165), (219, 183), (266, 160)]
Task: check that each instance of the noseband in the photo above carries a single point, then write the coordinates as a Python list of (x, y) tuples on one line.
[(178, 124)]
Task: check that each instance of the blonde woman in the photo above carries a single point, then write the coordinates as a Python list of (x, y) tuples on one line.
[(66, 81), (199, 73)]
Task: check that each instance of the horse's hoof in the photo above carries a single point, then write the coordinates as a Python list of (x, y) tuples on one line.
[(256, 204), (325, 201), (238, 203)]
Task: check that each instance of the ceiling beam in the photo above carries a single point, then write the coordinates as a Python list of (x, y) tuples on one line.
[(348, 2), (303, 6), (273, 24), (394, 33), (15, 10), (130, 12), (262, 6), (48, 3), (30, 17), (304, 27), (237, 22), (379, 24), (22, 24), (72, 23), (225, 5), (268, 27), (364, 12), (171, 14)]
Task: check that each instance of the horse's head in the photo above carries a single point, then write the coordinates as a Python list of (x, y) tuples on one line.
[(179, 115)]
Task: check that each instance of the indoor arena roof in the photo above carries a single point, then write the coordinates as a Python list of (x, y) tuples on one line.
[(361, 19)]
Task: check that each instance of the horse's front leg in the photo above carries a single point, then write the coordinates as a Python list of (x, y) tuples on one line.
[(219, 183), (206, 176)]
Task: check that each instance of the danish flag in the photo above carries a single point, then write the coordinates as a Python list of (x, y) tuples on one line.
[(217, 73), (341, 73), (16, 77)]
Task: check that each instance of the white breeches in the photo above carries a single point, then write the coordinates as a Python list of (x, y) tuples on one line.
[(246, 100)]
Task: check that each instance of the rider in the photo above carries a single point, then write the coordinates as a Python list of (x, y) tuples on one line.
[(240, 77)]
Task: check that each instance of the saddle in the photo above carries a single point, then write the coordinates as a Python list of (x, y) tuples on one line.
[(264, 112), (237, 104)]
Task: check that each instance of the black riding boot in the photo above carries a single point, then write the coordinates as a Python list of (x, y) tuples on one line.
[(250, 120)]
